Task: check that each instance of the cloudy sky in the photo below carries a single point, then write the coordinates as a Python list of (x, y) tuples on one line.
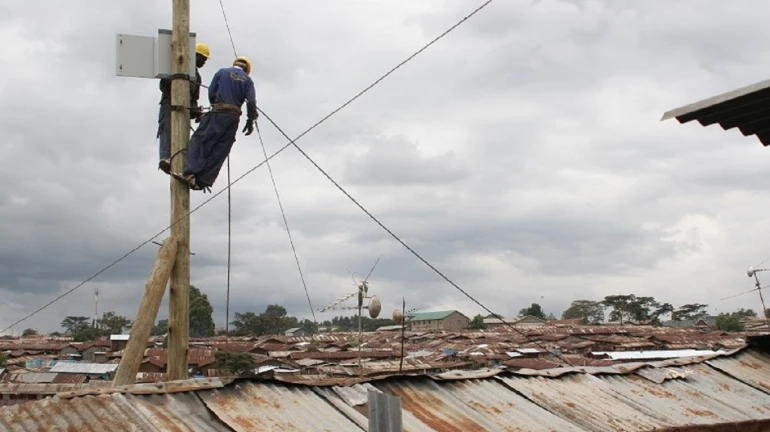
[(522, 155)]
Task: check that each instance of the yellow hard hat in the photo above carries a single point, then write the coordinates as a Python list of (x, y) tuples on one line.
[(245, 62), (203, 50)]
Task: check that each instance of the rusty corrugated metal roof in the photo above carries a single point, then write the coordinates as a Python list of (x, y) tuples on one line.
[(114, 413), (634, 397), (631, 402), (748, 366), (255, 406)]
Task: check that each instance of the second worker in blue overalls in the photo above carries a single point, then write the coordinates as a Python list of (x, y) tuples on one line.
[(212, 141)]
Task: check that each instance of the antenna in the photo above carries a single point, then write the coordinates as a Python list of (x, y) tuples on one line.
[(96, 306), (374, 306), (752, 272)]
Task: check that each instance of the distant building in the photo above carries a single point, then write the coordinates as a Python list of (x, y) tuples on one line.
[(706, 323), (118, 342), (296, 332), (525, 321), (451, 320)]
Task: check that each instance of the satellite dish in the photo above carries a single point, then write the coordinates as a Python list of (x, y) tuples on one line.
[(374, 307), (750, 271), (397, 317)]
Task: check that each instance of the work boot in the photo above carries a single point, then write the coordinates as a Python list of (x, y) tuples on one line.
[(165, 165), (189, 179)]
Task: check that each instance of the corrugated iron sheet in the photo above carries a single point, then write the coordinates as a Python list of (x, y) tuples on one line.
[(750, 367), (630, 402), (31, 378), (254, 406), (84, 368), (744, 108), (462, 406), (114, 413)]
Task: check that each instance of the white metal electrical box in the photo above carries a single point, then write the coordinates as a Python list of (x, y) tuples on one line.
[(146, 56), (135, 56), (163, 54)]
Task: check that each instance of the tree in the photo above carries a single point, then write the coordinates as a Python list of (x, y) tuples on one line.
[(533, 310), (246, 323), (112, 323), (87, 334), (235, 363), (160, 328), (73, 324), (201, 319), (54, 334), (29, 332), (729, 322), (589, 312), (692, 311), (621, 307), (308, 325), (551, 316), (274, 320), (477, 323), (3, 359), (744, 313)]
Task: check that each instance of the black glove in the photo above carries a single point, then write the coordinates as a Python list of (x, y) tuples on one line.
[(195, 113), (249, 128)]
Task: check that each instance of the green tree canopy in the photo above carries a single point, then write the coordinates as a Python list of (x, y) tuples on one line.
[(73, 324), (160, 328), (235, 363), (691, 311), (588, 311), (477, 323), (729, 322), (533, 310), (201, 314), (112, 323), (29, 332)]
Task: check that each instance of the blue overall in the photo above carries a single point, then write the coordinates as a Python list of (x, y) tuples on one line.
[(211, 143), (164, 116)]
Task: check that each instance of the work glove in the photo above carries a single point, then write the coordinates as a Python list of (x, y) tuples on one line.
[(195, 113), (249, 128)]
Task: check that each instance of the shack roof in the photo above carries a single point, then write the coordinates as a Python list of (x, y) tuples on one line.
[(721, 389), (744, 108), (425, 316)]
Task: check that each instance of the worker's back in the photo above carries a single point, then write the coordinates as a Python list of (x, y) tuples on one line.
[(231, 86)]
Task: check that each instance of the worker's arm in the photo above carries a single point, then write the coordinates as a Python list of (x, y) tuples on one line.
[(165, 85), (213, 87), (251, 108), (251, 102), (195, 89), (195, 93)]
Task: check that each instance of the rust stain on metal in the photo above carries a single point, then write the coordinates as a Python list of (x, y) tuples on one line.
[(423, 407), (701, 413)]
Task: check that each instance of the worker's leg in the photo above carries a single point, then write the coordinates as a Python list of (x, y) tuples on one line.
[(200, 147), (164, 137), (223, 136)]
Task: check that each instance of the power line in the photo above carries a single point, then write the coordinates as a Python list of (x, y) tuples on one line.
[(224, 14), (286, 223), (277, 195), (293, 142), (398, 239)]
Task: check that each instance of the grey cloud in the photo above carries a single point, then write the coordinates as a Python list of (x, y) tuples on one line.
[(396, 162), (527, 163)]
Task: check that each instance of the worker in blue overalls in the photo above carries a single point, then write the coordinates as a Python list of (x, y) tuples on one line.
[(202, 53), (212, 141)]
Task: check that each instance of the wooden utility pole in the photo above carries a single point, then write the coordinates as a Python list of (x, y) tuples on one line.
[(145, 317), (179, 296)]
